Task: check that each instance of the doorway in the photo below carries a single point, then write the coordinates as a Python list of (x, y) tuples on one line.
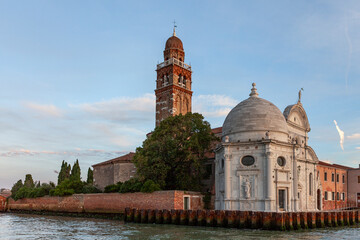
[(282, 199)]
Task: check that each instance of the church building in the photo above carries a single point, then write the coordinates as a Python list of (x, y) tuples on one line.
[(264, 162)]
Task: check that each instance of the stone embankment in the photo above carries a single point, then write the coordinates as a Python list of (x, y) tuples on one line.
[(247, 219)]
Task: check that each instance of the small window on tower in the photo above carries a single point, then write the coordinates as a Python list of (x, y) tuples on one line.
[(184, 82)]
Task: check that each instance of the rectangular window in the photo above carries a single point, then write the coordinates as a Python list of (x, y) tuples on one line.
[(358, 179), (333, 196), (343, 178), (337, 196), (325, 176), (326, 195), (333, 177), (186, 203), (337, 178), (343, 196)]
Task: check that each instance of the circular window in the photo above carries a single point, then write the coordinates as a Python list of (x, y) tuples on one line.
[(281, 161), (248, 161)]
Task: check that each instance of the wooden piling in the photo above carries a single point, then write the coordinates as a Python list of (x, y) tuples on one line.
[(192, 218), (201, 217), (143, 216), (175, 216), (166, 216), (158, 216), (340, 218), (210, 218), (151, 216), (320, 217)]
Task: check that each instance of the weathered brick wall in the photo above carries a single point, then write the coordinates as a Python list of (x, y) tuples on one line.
[(2, 203), (123, 172), (103, 175), (108, 202)]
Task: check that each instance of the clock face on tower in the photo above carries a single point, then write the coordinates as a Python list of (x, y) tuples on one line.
[(173, 84)]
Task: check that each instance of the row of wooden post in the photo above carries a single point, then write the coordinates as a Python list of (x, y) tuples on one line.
[(244, 219)]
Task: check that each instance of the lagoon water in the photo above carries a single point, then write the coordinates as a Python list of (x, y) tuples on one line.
[(23, 226)]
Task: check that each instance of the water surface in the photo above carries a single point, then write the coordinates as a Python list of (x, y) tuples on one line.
[(23, 226)]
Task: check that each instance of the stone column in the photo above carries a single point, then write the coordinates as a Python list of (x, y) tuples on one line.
[(227, 174), (269, 180)]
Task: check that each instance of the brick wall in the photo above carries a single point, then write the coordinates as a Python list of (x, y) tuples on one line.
[(333, 184), (108, 202), (2, 203)]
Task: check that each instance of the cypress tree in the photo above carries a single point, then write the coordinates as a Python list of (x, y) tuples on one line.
[(76, 172), (90, 176), (29, 182)]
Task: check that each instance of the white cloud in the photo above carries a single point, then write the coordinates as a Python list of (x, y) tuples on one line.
[(122, 109), (213, 106), (358, 148), (341, 134), (46, 110), (77, 153), (354, 136)]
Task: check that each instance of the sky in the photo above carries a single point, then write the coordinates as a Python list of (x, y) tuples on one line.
[(77, 78)]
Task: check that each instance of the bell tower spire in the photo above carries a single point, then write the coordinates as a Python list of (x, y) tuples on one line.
[(173, 84)]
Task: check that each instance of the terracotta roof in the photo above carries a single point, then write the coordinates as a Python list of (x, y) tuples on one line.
[(174, 42), (5, 195), (123, 159), (217, 130), (334, 165)]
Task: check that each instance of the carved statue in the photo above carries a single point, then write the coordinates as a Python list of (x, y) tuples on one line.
[(247, 188), (267, 135), (300, 95)]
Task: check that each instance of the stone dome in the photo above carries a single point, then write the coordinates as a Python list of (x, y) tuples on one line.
[(252, 118), (174, 42)]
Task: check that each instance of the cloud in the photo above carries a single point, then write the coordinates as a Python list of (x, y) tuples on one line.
[(122, 109), (358, 148), (46, 110), (77, 153), (213, 106), (354, 136), (341, 134)]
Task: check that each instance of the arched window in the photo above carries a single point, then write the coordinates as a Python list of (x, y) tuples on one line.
[(180, 80), (184, 82), (310, 184)]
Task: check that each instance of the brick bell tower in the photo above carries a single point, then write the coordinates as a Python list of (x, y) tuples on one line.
[(173, 84)]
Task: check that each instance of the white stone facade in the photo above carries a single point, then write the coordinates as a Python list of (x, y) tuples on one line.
[(263, 162)]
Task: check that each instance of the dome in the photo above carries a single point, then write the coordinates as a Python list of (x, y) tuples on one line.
[(174, 42), (252, 118)]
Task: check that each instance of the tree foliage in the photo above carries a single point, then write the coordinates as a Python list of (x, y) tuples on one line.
[(15, 188), (76, 172), (173, 155), (90, 176), (64, 172), (29, 182)]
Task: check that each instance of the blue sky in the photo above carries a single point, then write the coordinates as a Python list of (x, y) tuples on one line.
[(77, 78)]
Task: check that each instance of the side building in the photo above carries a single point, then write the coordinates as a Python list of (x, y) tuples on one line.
[(354, 187), (115, 170)]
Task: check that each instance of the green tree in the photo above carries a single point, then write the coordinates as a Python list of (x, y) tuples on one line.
[(29, 182), (75, 172), (15, 188), (64, 172), (90, 176), (173, 156)]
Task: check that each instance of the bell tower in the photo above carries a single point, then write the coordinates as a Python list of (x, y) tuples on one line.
[(173, 84)]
